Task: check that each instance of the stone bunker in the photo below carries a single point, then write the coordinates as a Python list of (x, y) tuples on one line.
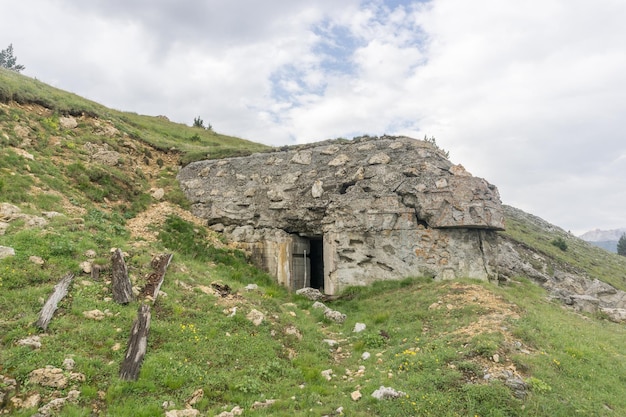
[(349, 212)]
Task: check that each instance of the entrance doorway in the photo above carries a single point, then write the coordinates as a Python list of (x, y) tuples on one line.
[(317, 264), (307, 263)]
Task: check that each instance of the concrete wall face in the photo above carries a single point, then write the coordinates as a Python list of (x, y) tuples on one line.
[(384, 209)]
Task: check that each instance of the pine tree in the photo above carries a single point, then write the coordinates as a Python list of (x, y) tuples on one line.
[(621, 245), (8, 61)]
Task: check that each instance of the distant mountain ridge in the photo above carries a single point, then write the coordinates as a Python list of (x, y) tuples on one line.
[(598, 235), (605, 239)]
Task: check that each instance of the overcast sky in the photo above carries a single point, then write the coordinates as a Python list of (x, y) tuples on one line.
[(530, 95)]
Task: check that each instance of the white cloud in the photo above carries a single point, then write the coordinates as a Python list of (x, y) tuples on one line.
[(529, 95)]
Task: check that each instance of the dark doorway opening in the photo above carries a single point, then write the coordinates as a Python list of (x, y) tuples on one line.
[(317, 263)]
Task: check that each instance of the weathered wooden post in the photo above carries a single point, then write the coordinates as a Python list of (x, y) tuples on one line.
[(60, 291), (120, 282), (137, 345), (155, 279)]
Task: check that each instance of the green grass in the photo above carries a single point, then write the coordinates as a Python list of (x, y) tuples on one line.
[(418, 337)]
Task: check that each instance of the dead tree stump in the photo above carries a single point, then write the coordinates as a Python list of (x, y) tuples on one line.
[(60, 291), (155, 279), (137, 345), (120, 282)]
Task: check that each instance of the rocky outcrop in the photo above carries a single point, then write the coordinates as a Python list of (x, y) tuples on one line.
[(569, 285), (366, 209)]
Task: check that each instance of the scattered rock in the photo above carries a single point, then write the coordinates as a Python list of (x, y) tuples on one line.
[(365, 356), (236, 411), (56, 405), (23, 153), (188, 412), (293, 331), (158, 194), (251, 287), (330, 342), (384, 393), (101, 154), (517, 386), (31, 341), (37, 260), (91, 254), (33, 222), (7, 387), (9, 212), (335, 316), (356, 395), (31, 401), (94, 314), (21, 131), (48, 377), (262, 404), (85, 267), (256, 317), (616, 315), (195, 397), (359, 327), (6, 251), (68, 122), (312, 294), (51, 214), (330, 314), (327, 374), (68, 364)]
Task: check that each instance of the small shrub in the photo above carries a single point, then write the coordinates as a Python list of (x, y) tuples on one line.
[(560, 243), (537, 385), (371, 340), (198, 122), (486, 344)]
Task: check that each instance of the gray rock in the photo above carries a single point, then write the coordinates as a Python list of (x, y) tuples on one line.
[(48, 377), (9, 212), (517, 386), (6, 251), (312, 294), (359, 327), (31, 341), (573, 288), (386, 393), (68, 122), (334, 315)]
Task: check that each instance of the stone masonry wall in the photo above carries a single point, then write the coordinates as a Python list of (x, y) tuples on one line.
[(386, 208)]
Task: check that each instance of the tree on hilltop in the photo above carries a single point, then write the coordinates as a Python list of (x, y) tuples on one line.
[(621, 245), (8, 61)]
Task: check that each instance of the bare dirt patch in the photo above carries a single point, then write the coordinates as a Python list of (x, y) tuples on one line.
[(496, 317), (146, 225)]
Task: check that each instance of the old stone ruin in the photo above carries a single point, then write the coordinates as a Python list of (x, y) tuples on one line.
[(349, 212)]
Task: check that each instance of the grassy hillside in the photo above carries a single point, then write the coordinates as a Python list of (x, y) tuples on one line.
[(579, 255), (452, 348)]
